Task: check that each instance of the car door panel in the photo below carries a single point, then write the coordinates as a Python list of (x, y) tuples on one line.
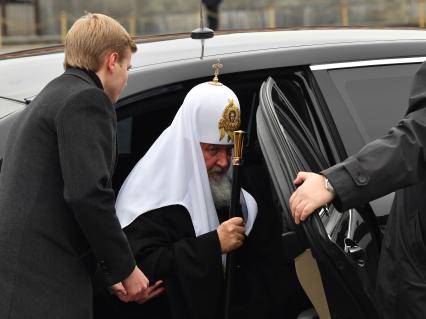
[(343, 245)]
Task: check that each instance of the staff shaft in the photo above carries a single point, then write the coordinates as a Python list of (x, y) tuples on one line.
[(235, 200)]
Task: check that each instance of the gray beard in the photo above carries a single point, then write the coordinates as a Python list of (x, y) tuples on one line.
[(221, 191)]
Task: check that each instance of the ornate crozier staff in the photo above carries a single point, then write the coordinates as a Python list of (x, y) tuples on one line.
[(237, 162)]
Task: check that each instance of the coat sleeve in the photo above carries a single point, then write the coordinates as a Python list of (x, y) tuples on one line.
[(166, 248), (382, 166), (86, 131)]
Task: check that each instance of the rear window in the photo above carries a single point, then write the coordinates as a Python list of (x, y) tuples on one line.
[(376, 97)]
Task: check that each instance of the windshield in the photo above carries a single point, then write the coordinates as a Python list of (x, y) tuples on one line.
[(29, 24)]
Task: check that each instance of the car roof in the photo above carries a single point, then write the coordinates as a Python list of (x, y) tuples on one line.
[(178, 58), (239, 42)]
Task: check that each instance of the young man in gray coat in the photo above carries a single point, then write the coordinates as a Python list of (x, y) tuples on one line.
[(57, 216), (395, 162)]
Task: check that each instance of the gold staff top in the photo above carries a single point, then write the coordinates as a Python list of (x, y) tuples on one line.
[(238, 148)]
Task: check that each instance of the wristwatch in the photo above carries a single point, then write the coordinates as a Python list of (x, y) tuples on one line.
[(328, 186)]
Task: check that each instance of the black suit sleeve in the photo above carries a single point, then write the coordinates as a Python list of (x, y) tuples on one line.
[(86, 130), (382, 166), (165, 247)]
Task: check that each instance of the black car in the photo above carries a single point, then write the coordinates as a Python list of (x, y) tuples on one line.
[(309, 99)]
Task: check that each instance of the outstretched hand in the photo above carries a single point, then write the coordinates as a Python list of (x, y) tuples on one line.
[(310, 195)]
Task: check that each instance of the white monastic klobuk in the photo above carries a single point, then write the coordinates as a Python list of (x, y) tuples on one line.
[(173, 171)]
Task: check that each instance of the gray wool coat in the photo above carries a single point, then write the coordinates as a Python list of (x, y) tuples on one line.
[(57, 216)]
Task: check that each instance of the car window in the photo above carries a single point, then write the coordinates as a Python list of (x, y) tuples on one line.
[(300, 128), (365, 102), (305, 148), (298, 92), (124, 136), (376, 97)]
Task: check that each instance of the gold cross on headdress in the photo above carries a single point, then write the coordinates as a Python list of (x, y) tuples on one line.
[(216, 67)]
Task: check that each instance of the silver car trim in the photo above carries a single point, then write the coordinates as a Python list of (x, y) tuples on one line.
[(345, 65)]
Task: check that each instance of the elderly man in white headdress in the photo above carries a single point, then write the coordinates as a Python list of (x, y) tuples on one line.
[(173, 207)]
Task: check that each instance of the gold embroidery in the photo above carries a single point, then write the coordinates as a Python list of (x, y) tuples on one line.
[(230, 121)]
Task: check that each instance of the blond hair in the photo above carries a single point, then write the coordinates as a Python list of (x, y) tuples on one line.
[(91, 38)]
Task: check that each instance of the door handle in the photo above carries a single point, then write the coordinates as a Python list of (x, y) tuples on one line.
[(356, 252)]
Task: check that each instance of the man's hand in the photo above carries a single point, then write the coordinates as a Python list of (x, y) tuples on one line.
[(118, 290), (132, 288), (151, 292), (231, 234), (309, 196)]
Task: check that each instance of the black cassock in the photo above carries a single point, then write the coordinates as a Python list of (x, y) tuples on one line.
[(166, 248)]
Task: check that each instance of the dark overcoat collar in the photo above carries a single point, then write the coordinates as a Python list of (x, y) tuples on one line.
[(86, 75)]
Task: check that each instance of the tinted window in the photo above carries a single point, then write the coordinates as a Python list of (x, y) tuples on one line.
[(376, 97), (124, 135), (365, 102)]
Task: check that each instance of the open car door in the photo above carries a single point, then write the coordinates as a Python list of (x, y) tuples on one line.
[(335, 254)]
